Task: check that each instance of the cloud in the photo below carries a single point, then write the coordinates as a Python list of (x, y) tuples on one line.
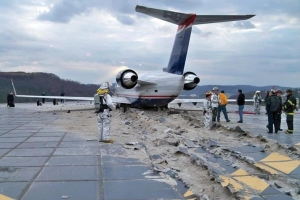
[(88, 41), (244, 25), (124, 19)]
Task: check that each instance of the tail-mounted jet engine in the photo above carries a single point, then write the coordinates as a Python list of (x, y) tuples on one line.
[(190, 80), (127, 78)]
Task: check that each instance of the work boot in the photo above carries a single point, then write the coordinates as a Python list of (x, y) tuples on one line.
[(288, 132), (107, 141)]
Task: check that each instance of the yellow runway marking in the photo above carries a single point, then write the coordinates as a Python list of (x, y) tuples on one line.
[(285, 167), (2, 197), (252, 181), (275, 157), (189, 193), (268, 169)]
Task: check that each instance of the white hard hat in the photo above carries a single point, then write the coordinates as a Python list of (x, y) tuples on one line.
[(257, 91), (104, 86), (215, 88)]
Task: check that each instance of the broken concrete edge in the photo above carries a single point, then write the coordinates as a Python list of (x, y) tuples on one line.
[(221, 177), (261, 138), (166, 171)]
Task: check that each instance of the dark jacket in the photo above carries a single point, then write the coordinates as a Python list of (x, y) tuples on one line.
[(241, 99), (280, 107), (10, 98), (290, 104), (267, 98), (273, 102)]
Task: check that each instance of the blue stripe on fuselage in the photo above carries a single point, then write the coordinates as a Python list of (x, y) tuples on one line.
[(179, 51)]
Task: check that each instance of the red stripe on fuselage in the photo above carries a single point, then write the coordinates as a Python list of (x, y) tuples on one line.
[(187, 22)]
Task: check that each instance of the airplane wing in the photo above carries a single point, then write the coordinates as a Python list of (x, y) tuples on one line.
[(52, 97), (195, 101), (115, 99)]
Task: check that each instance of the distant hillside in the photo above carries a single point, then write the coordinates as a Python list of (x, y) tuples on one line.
[(37, 83)]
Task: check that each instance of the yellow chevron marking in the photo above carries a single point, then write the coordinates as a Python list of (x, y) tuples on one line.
[(2, 197), (188, 193), (275, 157), (240, 172), (229, 181), (268, 169), (251, 181), (285, 167)]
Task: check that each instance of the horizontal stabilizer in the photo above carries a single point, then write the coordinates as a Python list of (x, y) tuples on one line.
[(179, 18), (206, 19), (169, 16)]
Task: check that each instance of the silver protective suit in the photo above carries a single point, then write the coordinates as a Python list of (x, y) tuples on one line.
[(104, 125), (208, 114)]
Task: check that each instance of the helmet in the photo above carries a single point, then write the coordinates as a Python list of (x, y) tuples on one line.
[(215, 88), (104, 85), (207, 94), (289, 90), (257, 91), (278, 91)]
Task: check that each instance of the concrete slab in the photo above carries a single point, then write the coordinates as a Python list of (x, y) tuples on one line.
[(13, 135), (112, 160), (68, 173), (18, 139), (75, 190), (31, 152), (49, 134), (73, 160), (89, 151), (12, 189), (3, 151), (138, 190), (80, 144), (22, 161), (43, 139), (8, 145), (120, 172), (15, 174), (26, 145)]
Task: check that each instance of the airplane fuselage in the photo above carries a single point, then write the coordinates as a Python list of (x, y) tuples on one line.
[(166, 88)]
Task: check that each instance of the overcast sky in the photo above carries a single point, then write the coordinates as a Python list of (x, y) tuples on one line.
[(91, 40)]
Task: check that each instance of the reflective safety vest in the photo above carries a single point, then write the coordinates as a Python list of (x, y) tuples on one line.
[(290, 105)]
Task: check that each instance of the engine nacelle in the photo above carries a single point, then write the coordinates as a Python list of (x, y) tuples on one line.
[(127, 78), (190, 80)]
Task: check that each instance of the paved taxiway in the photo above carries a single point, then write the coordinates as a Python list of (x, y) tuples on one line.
[(39, 161)]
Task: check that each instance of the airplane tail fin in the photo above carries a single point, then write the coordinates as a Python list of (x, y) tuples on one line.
[(185, 23)]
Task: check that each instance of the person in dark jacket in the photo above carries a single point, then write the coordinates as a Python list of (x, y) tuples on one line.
[(288, 107), (10, 100), (62, 94), (273, 103), (43, 99), (266, 100), (279, 93), (241, 103)]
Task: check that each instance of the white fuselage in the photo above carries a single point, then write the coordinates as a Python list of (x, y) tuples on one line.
[(154, 88)]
